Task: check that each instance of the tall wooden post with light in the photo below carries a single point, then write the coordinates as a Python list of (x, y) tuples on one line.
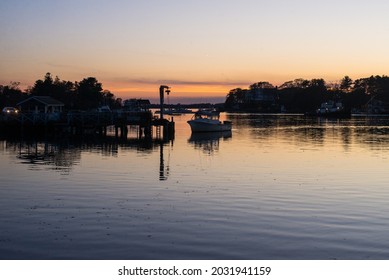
[(162, 90)]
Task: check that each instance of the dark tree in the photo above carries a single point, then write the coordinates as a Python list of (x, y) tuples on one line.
[(235, 98), (297, 83), (346, 83), (261, 85), (318, 84), (63, 91), (43, 87), (11, 94), (89, 93)]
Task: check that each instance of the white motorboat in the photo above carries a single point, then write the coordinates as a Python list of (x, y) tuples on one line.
[(208, 121), (331, 109)]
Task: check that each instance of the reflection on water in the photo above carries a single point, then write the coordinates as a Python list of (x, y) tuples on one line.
[(62, 154), (209, 141), (277, 187), (38, 155), (164, 168), (371, 132)]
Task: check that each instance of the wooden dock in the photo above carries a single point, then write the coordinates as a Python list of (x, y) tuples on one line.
[(78, 123)]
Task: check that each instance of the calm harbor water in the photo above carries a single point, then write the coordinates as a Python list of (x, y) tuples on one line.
[(277, 187)]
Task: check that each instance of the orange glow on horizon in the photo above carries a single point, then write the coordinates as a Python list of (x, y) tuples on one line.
[(181, 91)]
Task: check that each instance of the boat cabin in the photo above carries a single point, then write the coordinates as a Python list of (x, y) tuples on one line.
[(207, 114)]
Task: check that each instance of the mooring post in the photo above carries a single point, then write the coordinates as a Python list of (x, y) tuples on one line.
[(124, 131), (166, 130), (116, 131), (171, 130), (148, 131)]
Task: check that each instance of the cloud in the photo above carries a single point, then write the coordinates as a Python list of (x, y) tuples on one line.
[(178, 82)]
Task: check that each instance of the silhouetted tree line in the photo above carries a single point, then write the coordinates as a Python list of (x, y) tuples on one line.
[(300, 95), (84, 95)]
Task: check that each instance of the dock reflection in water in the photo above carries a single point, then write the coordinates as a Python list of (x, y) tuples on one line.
[(63, 154), (164, 166)]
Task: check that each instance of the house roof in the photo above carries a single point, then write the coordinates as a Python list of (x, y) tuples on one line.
[(47, 100), (144, 101)]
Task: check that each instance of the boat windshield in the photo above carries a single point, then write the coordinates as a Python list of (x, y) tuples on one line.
[(205, 114)]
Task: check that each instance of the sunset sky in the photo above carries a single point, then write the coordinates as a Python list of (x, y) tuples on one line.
[(202, 49)]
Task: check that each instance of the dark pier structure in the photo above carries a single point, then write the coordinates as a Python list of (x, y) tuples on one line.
[(80, 123)]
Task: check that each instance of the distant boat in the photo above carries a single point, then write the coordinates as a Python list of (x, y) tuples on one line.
[(180, 110), (175, 111), (331, 109), (208, 121)]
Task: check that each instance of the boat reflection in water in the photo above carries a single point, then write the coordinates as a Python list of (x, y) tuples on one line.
[(209, 141)]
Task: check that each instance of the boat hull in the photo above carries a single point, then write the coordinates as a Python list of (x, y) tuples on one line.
[(204, 126)]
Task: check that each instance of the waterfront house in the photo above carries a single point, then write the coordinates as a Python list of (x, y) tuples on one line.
[(375, 106), (260, 95), (136, 104), (41, 104), (260, 100), (41, 108)]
